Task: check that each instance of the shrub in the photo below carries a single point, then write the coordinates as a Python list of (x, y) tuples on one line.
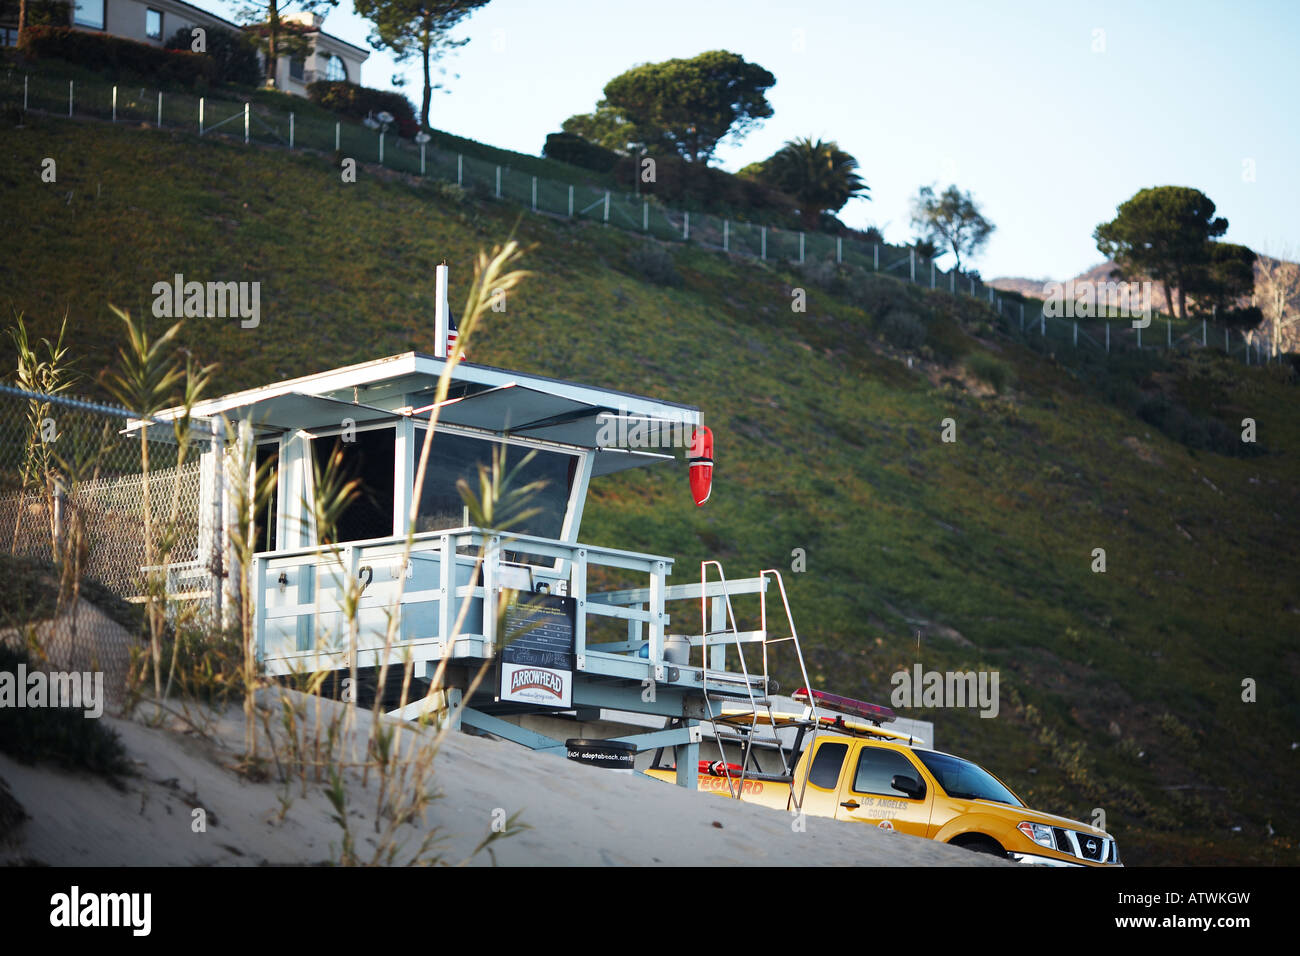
[(878, 296), (358, 102), (654, 264), (573, 149), (996, 374), (59, 734), (903, 330), (823, 273), (117, 55), (233, 54)]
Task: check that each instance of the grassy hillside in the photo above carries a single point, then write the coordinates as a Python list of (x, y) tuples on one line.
[(1120, 691)]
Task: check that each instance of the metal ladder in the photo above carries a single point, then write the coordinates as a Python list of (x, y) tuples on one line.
[(727, 688)]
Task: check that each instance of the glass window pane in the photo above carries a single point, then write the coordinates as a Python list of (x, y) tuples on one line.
[(153, 24), (825, 772), (453, 457), (876, 768), (89, 13)]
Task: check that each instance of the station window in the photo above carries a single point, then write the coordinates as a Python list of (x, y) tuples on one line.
[(295, 68), (266, 514), (335, 71), (369, 458), (455, 456), (153, 24)]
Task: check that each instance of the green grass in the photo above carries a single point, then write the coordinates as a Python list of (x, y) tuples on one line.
[(826, 441)]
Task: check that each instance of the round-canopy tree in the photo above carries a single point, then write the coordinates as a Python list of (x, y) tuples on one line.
[(1163, 233), (679, 106)]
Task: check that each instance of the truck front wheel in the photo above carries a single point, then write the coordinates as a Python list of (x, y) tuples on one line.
[(979, 843)]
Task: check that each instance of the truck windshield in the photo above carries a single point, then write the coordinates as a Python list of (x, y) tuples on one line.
[(965, 780)]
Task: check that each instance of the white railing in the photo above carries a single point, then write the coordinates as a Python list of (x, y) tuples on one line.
[(299, 594)]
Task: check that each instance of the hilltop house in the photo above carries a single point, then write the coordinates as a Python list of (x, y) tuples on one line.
[(154, 21)]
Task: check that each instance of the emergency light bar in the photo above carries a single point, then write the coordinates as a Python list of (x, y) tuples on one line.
[(846, 705)]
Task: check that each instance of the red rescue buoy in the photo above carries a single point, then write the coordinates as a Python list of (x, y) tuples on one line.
[(701, 459)]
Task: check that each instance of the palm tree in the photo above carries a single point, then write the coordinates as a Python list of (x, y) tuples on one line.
[(820, 175)]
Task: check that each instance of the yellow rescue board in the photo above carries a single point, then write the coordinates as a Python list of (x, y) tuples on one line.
[(741, 715)]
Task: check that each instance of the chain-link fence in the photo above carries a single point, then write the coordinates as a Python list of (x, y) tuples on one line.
[(72, 510)]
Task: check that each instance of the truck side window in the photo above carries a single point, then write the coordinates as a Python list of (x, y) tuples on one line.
[(876, 767), (825, 771)]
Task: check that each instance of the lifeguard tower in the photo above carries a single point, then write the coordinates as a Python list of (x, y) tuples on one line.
[(677, 671)]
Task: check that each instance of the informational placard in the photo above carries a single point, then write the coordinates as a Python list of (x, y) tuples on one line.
[(538, 658)]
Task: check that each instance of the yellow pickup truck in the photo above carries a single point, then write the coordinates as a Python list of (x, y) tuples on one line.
[(859, 773)]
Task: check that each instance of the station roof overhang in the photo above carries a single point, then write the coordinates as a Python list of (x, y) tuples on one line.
[(481, 397)]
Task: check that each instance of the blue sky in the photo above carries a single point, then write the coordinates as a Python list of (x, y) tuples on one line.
[(1051, 113)]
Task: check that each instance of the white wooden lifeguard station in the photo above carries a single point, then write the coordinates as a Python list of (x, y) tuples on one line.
[(377, 414)]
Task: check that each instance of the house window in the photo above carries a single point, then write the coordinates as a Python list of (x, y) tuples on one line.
[(153, 24), (335, 70), (89, 13), (295, 69)]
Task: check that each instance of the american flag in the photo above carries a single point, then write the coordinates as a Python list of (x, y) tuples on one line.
[(452, 334)]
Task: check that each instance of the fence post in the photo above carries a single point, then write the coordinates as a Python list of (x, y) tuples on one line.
[(534, 194), (114, 102), (645, 216), (1226, 349), (291, 144), (911, 255), (686, 228), (972, 287), (498, 182), (952, 282), (931, 273), (839, 249), (201, 100), (606, 216), (1169, 334), (801, 238), (59, 507), (25, 93), (246, 128), (726, 235), (460, 175), (1139, 328), (337, 130), (422, 161), (1076, 333), (160, 109), (875, 258), (1042, 327), (570, 196), (69, 98), (1204, 340), (762, 248), (1108, 337), (381, 148)]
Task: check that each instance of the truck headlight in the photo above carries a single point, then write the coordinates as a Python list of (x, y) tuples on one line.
[(1039, 833)]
